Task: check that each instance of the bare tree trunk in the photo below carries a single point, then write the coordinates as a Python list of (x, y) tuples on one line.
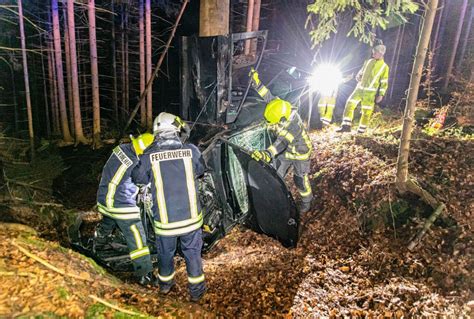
[(126, 69), (454, 47), (397, 59), (53, 92), (255, 24), (141, 28), (149, 83), (75, 78), (45, 93), (465, 40), (214, 17), (114, 67), (149, 96), (434, 41), (94, 77), (27, 80), (59, 72), (248, 27), (122, 60), (67, 54), (421, 50)]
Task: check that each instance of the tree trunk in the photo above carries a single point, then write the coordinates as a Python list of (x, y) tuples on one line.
[(141, 28), (27, 80), (67, 54), (94, 76), (126, 91), (45, 93), (465, 40), (255, 25), (59, 72), (434, 41), (248, 27), (75, 78), (114, 66), (454, 47), (52, 92), (397, 59), (421, 50), (122, 60), (149, 96), (214, 17)]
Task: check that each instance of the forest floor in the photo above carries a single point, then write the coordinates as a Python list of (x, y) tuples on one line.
[(351, 260)]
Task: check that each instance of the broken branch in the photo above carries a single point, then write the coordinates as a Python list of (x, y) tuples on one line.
[(108, 304), (426, 227)]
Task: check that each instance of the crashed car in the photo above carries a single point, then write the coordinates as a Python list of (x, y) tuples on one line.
[(235, 190)]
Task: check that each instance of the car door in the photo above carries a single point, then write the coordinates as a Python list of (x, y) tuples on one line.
[(269, 199)]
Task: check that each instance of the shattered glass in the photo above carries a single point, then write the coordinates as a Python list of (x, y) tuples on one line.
[(252, 139)]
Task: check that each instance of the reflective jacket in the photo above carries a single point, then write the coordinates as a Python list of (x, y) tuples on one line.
[(374, 76), (172, 168), (291, 136), (117, 193)]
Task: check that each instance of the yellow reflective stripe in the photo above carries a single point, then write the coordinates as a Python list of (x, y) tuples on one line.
[(133, 209), (139, 253), (367, 107), (166, 278), (287, 135), (384, 80), (196, 280), (179, 224), (299, 157), (307, 187), (188, 170), (137, 236), (160, 194), (109, 198), (377, 76), (272, 149), (262, 91), (123, 216), (178, 231)]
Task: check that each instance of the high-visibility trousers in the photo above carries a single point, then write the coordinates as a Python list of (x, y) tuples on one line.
[(191, 245), (134, 233), (326, 105), (367, 101), (300, 175)]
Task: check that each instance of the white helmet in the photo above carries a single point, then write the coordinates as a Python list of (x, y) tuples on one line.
[(166, 122)]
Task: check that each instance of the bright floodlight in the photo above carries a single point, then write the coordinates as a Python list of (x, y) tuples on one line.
[(325, 79)]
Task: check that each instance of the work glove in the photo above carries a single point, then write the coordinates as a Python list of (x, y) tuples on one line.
[(254, 76), (378, 99), (262, 156)]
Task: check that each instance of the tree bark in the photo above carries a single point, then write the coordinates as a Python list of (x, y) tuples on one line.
[(94, 76), (141, 28), (255, 25), (214, 17), (75, 78), (248, 27), (45, 94), (397, 59), (434, 41), (53, 92), (114, 66), (27, 80), (422, 48), (465, 40), (59, 73), (454, 47), (67, 54), (149, 96)]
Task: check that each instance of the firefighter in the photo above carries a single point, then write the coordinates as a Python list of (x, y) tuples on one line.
[(171, 167), (371, 87), (292, 146), (327, 103), (116, 201)]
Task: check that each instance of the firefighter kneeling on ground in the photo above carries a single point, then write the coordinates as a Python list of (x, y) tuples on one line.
[(171, 167), (292, 146), (116, 201)]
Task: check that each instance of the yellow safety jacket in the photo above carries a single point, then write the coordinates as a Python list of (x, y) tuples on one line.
[(374, 77)]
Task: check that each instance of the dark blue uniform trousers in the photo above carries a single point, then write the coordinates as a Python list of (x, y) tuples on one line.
[(135, 237), (191, 245)]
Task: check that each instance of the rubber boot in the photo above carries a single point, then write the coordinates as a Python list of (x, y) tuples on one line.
[(343, 129)]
